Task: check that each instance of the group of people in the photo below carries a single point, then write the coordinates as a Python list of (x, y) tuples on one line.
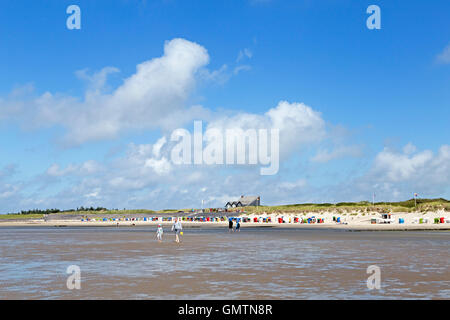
[(177, 228), (237, 227)]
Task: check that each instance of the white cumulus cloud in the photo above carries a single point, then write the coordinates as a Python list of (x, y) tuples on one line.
[(153, 97)]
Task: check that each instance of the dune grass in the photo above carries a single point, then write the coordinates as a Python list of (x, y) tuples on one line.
[(14, 216), (20, 216), (423, 205), (108, 212), (363, 207)]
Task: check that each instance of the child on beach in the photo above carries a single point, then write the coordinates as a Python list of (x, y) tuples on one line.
[(238, 225), (159, 233)]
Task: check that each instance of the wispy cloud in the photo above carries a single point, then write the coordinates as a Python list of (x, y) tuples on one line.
[(244, 54), (339, 152), (241, 68), (444, 56)]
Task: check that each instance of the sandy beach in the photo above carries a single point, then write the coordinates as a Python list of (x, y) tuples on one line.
[(348, 221)]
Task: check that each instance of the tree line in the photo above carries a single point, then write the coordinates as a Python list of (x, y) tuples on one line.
[(49, 211)]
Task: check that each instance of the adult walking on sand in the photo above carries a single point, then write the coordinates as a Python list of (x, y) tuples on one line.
[(230, 224), (176, 227)]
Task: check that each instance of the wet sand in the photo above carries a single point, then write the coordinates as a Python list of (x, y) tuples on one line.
[(210, 263)]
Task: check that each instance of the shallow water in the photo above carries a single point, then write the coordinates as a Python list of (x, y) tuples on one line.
[(257, 263)]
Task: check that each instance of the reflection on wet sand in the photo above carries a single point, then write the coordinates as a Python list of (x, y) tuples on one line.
[(266, 263)]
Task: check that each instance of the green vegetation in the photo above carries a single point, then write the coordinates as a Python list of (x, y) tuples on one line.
[(107, 212), (351, 208), (50, 211), (423, 205), (39, 214), (11, 216)]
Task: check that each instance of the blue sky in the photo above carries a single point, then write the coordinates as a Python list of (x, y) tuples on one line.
[(383, 96)]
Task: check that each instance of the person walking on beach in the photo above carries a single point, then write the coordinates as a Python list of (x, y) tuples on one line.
[(176, 227), (238, 225), (159, 233), (230, 224)]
